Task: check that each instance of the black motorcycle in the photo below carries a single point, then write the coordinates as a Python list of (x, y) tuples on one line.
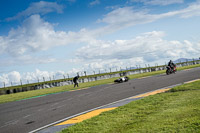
[(170, 70)]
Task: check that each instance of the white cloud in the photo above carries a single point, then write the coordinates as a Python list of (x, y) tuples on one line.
[(127, 16), (33, 35), (104, 65), (191, 10), (13, 77), (2, 45), (96, 2), (147, 48), (159, 2), (121, 49), (41, 7), (32, 77), (36, 35)]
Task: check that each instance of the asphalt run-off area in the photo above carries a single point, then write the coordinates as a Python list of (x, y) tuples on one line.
[(53, 112)]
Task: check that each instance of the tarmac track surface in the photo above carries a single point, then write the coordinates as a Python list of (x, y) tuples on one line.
[(28, 115)]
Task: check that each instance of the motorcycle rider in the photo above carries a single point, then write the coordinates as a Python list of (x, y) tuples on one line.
[(75, 80), (171, 65)]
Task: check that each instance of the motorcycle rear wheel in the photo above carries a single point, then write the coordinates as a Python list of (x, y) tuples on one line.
[(167, 72)]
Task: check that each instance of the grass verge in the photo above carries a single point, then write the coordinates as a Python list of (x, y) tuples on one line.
[(177, 110), (42, 92)]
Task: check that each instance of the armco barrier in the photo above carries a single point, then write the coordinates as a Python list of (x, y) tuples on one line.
[(95, 78)]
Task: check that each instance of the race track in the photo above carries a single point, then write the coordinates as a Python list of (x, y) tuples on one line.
[(27, 115)]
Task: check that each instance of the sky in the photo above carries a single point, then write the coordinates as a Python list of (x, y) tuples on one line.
[(58, 38)]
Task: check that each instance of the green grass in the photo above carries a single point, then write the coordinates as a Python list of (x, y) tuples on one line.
[(177, 110), (188, 67), (35, 93)]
